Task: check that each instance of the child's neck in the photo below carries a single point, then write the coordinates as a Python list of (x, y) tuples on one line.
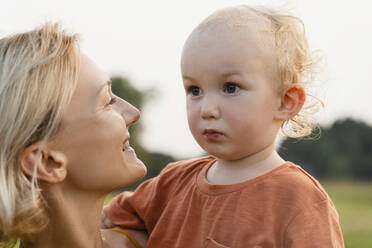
[(244, 169)]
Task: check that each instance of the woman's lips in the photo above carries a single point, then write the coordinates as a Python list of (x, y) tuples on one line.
[(126, 145), (212, 135)]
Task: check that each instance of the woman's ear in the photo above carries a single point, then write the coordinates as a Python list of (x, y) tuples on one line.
[(291, 103), (50, 165)]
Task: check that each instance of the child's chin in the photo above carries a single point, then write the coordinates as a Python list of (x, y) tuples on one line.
[(223, 155)]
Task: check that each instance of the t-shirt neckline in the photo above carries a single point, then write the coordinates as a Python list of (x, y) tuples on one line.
[(216, 189)]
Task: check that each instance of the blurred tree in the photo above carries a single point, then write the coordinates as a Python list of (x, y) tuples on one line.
[(154, 161), (344, 150), (353, 140)]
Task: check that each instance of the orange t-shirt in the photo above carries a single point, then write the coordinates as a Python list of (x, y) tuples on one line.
[(285, 207)]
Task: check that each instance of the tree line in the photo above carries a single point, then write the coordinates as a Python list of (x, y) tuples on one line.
[(343, 151)]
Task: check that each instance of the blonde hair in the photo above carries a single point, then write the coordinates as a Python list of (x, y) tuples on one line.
[(38, 75), (296, 63)]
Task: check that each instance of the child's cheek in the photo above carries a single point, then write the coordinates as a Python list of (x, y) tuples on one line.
[(235, 117), (192, 117)]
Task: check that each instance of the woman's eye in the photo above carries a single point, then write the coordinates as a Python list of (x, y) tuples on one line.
[(112, 100), (230, 88), (195, 91)]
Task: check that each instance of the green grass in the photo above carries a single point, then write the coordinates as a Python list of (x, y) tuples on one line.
[(353, 201)]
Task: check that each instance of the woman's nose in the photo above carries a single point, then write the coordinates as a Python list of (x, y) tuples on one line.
[(130, 113)]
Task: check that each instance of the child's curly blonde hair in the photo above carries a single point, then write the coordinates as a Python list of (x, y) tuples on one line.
[(296, 63)]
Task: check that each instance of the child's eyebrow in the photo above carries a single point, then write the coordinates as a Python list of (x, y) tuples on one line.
[(223, 75), (229, 74), (187, 78)]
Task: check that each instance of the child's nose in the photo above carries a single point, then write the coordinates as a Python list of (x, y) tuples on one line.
[(210, 108)]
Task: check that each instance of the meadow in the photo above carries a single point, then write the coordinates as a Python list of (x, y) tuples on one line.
[(353, 201)]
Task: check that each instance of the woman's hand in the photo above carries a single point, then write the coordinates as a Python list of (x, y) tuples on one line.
[(140, 236), (116, 239), (106, 222)]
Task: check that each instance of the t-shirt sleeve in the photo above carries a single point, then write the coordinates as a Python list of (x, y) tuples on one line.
[(317, 226), (141, 209), (126, 209)]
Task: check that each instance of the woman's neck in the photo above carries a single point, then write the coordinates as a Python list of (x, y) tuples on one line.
[(75, 218)]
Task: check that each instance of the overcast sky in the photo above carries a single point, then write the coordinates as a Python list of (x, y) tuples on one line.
[(142, 40)]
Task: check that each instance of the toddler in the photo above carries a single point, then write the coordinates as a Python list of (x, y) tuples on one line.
[(245, 72)]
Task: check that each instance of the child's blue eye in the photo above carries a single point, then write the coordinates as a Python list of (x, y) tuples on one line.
[(230, 88), (195, 91)]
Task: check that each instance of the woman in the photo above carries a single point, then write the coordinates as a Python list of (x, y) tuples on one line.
[(64, 143)]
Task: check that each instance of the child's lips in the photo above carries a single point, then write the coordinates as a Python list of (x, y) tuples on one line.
[(212, 135)]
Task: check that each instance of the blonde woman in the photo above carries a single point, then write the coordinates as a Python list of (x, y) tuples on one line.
[(64, 144)]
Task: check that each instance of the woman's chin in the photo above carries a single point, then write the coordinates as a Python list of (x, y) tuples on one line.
[(140, 169), (135, 166), (132, 173)]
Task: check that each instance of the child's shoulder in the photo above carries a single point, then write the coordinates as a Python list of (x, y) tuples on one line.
[(187, 166), (295, 184), (183, 170)]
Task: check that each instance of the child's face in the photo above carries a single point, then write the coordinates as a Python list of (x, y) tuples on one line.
[(230, 79)]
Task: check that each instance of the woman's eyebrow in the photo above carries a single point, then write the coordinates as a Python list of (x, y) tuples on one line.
[(103, 87)]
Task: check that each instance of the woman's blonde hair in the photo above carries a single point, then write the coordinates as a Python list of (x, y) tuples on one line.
[(38, 74), (296, 63)]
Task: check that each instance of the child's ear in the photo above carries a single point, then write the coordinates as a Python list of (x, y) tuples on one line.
[(291, 103), (51, 166)]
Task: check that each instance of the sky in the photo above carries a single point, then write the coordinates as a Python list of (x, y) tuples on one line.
[(143, 40)]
